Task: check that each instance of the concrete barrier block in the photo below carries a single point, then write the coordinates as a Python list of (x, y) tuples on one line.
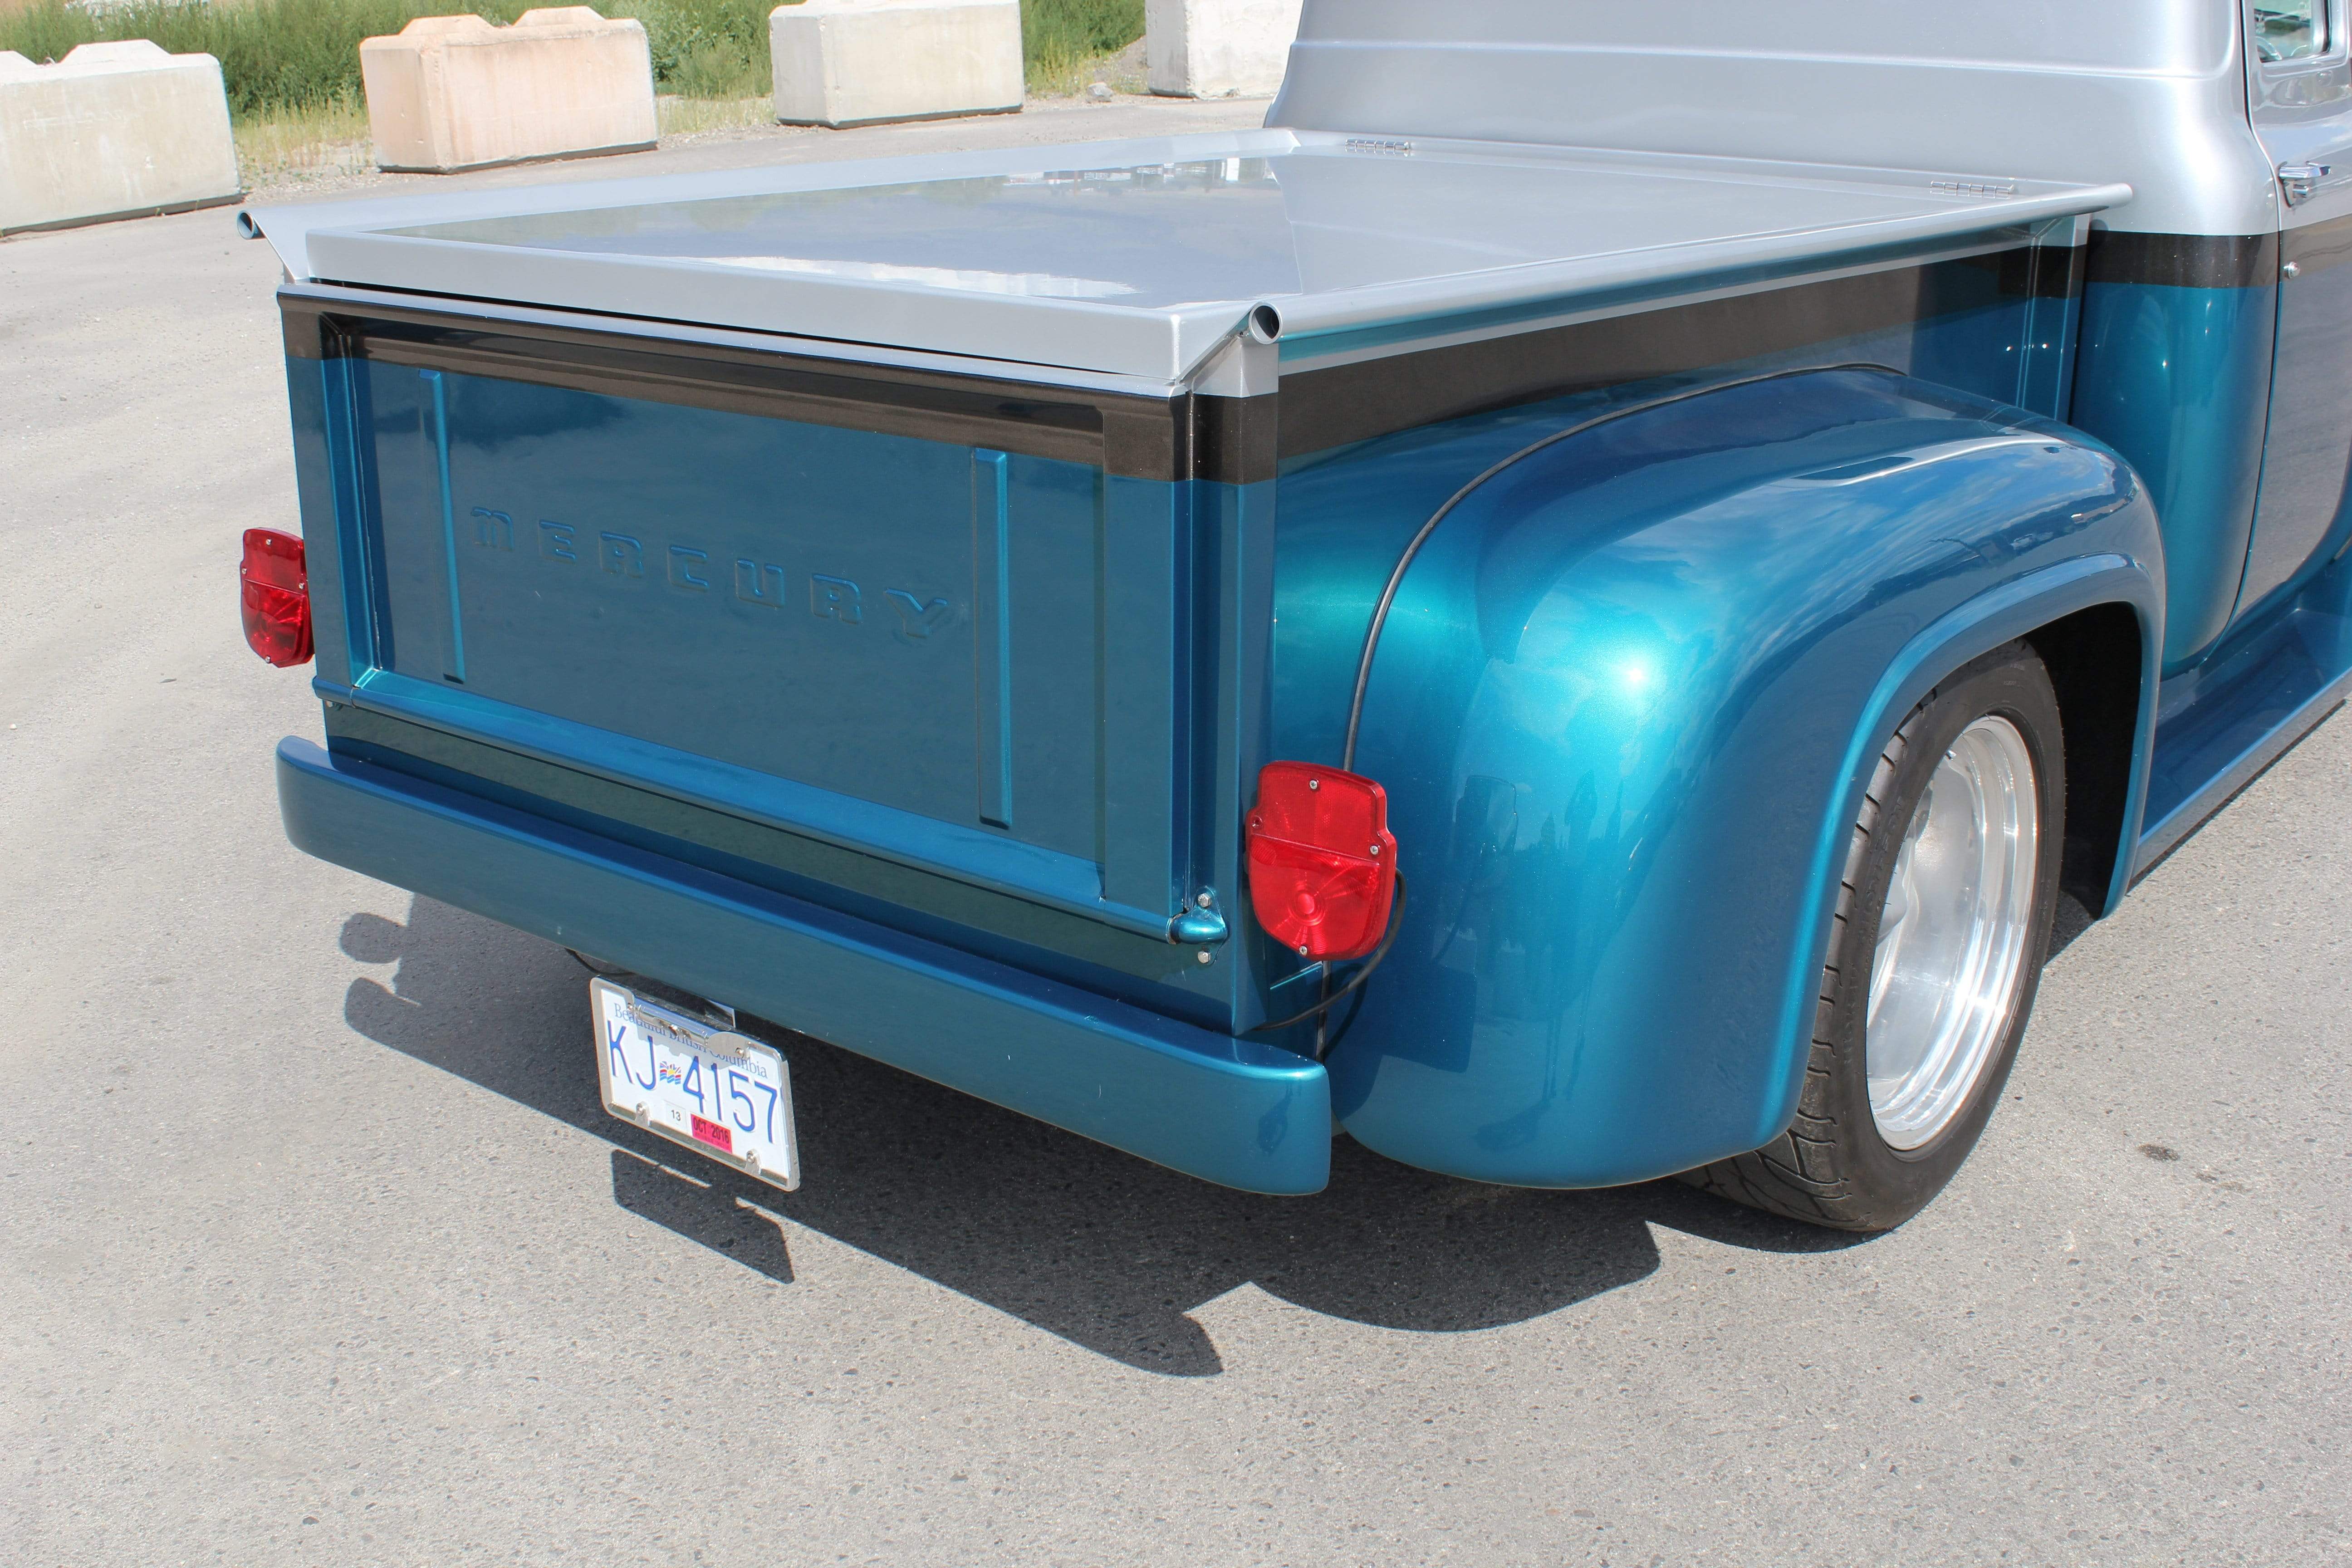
[(1219, 49), (111, 131), (854, 62), (453, 93)]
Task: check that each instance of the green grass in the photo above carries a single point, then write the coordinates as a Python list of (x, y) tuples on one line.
[(284, 59), (332, 144), (281, 57), (1059, 39), (276, 56)]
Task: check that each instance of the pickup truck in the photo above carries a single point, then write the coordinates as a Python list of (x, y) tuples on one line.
[(1571, 607)]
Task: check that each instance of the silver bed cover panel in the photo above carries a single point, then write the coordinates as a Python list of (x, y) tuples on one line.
[(1141, 258)]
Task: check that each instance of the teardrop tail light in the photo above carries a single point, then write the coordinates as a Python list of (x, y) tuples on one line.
[(1322, 862), (274, 593)]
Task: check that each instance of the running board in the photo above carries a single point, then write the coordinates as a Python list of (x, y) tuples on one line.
[(2247, 709)]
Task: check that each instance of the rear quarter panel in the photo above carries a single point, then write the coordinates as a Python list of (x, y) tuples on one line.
[(1624, 706)]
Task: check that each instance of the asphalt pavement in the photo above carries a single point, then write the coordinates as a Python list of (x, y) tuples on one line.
[(319, 1248)]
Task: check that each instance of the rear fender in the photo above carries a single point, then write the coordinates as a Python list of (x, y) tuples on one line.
[(1625, 708)]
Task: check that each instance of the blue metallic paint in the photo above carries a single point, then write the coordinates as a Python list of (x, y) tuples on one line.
[(1235, 1111), (2220, 723), (321, 479), (2246, 465), (1103, 637), (2177, 381), (1622, 709), (595, 558), (2302, 521), (1346, 513)]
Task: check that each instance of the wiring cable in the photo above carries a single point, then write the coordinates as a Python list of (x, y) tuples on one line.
[(1325, 1040), (1413, 548), (1355, 981)]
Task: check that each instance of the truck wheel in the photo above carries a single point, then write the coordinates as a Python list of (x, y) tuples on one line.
[(1943, 922)]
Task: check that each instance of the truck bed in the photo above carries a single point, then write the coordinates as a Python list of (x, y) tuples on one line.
[(780, 581)]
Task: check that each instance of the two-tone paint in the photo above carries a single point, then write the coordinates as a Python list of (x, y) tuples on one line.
[(622, 620), (1596, 703)]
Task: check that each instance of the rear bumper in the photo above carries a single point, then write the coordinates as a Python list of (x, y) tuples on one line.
[(1229, 1111)]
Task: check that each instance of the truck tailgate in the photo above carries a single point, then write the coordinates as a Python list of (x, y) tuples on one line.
[(952, 627)]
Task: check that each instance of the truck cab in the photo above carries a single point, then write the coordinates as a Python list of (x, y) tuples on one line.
[(1569, 608)]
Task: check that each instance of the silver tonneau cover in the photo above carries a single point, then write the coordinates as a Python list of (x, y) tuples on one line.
[(1141, 257)]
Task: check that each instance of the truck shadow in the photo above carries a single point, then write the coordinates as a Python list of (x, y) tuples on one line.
[(1103, 1249)]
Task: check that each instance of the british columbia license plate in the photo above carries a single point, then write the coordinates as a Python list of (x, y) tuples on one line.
[(695, 1082)]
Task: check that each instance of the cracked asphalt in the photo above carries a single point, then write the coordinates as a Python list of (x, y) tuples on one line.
[(319, 1248)]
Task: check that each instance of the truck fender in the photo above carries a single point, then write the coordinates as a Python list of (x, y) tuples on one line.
[(1624, 705)]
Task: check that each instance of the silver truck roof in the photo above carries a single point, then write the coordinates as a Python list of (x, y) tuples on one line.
[(1141, 258)]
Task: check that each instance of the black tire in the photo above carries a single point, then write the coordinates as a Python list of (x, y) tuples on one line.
[(1832, 1167)]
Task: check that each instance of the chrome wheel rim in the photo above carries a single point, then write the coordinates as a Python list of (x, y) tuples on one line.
[(1951, 937)]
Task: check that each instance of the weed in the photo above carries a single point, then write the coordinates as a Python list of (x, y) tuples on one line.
[(290, 58), (1060, 37)]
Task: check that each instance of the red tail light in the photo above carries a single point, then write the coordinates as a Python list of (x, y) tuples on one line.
[(275, 589), (1322, 865)]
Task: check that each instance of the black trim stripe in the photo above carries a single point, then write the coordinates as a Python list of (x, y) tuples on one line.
[(1240, 441), (1343, 403), (1234, 438), (2184, 261), (1221, 438)]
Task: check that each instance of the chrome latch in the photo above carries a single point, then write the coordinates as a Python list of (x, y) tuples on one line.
[(2300, 180)]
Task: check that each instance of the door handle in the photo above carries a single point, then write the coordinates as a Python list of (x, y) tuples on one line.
[(2301, 181)]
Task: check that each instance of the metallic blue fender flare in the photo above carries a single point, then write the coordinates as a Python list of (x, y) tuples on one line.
[(2002, 614), (1625, 708), (1237, 1111)]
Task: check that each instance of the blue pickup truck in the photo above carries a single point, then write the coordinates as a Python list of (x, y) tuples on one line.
[(1571, 608)]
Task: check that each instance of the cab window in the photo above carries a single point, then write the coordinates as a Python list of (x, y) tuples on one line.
[(2290, 29)]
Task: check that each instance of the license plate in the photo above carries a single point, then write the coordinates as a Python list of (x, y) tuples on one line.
[(696, 1082)]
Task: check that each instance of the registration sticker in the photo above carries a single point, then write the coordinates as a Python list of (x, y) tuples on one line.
[(695, 1082)]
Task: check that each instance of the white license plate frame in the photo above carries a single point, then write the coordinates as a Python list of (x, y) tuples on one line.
[(688, 1063)]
